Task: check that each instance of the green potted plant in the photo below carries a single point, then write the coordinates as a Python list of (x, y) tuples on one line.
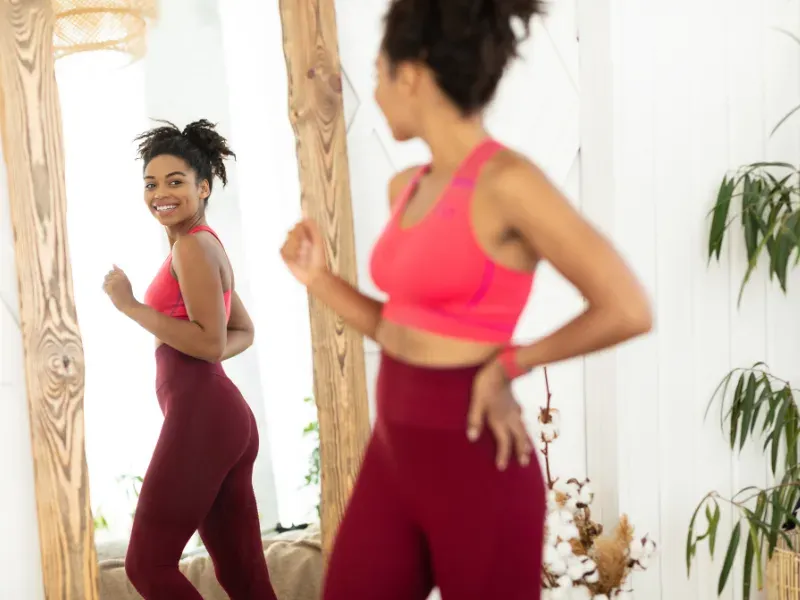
[(755, 405)]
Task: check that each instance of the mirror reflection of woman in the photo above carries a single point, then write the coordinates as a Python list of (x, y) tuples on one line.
[(200, 475), (450, 491)]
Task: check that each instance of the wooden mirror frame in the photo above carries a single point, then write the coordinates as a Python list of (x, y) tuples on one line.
[(30, 125)]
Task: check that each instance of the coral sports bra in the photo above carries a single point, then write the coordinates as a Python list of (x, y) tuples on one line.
[(164, 293), (437, 276)]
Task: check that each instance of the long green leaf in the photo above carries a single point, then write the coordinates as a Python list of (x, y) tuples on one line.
[(736, 409), (748, 407), (713, 526), (784, 119), (776, 439), (733, 545), (750, 199), (691, 545), (720, 212)]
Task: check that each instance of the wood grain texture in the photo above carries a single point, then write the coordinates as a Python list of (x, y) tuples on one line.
[(30, 124), (317, 114)]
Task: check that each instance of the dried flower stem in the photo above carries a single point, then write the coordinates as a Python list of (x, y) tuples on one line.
[(545, 450)]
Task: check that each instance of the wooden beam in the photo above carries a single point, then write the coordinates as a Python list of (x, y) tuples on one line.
[(30, 124), (317, 114)]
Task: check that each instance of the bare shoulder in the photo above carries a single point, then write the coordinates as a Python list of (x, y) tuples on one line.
[(512, 178), (201, 246), (399, 182)]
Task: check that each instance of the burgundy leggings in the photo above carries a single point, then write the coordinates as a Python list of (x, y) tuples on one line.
[(199, 479), (429, 508)]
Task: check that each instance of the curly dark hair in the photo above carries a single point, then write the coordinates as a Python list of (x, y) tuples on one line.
[(466, 43), (199, 144)]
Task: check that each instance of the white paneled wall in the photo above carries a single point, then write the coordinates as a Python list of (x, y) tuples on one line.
[(696, 87)]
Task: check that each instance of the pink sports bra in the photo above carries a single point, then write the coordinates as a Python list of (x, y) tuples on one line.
[(164, 292), (437, 276)]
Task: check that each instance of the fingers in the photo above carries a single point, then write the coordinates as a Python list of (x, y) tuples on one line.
[(475, 419), (502, 436), (506, 422), (522, 441)]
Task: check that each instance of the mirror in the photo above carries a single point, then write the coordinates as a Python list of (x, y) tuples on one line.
[(193, 70)]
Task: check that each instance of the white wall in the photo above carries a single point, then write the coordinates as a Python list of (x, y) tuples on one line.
[(684, 91), (20, 561)]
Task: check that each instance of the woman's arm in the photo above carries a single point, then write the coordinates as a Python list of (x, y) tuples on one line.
[(358, 310), (240, 329), (618, 308), (204, 335)]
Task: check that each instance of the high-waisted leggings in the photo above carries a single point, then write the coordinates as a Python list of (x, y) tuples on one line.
[(430, 508), (199, 479)]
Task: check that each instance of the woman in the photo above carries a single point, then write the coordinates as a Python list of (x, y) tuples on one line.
[(200, 476), (440, 500)]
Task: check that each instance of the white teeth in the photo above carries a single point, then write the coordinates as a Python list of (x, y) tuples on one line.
[(164, 208)]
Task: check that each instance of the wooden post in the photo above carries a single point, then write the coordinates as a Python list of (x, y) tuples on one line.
[(30, 124), (317, 114)]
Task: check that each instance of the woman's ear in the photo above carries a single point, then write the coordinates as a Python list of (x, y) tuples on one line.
[(205, 189)]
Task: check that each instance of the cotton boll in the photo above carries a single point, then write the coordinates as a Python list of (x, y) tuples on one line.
[(569, 532), (564, 582), (551, 554), (636, 549), (574, 489), (592, 577), (588, 565), (580, 593), (648, 546), (557, 567), (548, 433), (559, 593), (597, 597), (564, 549), (575, 572), (572, 504), (561, 487), (586, 495), (644, 563)]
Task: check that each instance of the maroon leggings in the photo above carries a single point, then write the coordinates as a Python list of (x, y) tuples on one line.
[(429, 508), (199, 479)]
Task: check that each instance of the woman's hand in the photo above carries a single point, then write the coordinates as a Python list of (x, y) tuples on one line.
[(493, 403), (304, 252), (118, 287)]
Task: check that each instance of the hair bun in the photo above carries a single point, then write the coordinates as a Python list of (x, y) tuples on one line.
[(204, 136)]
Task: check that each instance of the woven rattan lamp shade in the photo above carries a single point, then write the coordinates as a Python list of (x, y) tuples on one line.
[(83, 25)]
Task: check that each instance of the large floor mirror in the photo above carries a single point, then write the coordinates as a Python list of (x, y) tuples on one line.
[(196, 66)]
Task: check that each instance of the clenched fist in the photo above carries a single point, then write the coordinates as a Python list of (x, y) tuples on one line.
[(304, 252), (118, 287)]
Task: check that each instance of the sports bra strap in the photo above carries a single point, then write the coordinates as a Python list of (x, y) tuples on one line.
[(197, 228), (470, 169)]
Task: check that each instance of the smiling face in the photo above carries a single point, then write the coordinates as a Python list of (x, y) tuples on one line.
[(171, 190)]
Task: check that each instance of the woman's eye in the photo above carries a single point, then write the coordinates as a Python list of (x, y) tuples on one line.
[(175, 183), (148, 186)]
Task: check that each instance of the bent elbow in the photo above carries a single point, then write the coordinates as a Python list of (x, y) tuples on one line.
[(637, 318), (214, 351)]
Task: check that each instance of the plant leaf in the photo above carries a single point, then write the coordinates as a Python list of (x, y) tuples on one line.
[(720, 217), (729, 556), (748, 408), (786, 117)]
